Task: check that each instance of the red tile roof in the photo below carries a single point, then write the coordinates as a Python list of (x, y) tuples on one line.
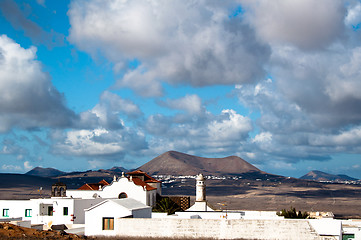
[(139, 182), (147, 178), (94, 186)]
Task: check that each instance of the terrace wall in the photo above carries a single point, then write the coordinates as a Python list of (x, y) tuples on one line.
[(215, 228)]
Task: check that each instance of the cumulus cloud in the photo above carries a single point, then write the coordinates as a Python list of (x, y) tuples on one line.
[(27, 97), (303, 23), (107, 112), (324, 85), (178, 42), (211, 134), (291, 131), (191, 104), (353, 17), (99, 142)]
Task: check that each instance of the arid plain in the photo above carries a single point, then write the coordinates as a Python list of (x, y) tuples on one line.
[(343, 200)]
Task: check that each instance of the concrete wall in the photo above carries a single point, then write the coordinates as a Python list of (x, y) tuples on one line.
[(80, 205), (211, 228)]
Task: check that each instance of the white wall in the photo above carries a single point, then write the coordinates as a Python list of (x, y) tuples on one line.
[(16, 208), (80, 205), (327, 227), (114, 189), (211, 228), (94, 216), (40, 213)]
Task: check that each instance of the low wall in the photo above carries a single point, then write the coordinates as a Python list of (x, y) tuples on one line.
[(218, 229)]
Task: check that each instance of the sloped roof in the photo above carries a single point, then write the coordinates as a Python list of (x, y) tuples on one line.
[(128, 203), (94, 186), (139, 182), (147, 178)]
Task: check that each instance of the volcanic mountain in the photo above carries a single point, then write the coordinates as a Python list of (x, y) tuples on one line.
[(44, 172), (176, 163), (322, 176)]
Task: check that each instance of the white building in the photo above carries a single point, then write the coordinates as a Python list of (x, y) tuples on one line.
[(49, 211), (69, 209), (99, 219), (201, 204), (138, 185)]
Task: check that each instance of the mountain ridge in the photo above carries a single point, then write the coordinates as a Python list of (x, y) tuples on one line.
[(44, 172), (177, 163), (317, 175)]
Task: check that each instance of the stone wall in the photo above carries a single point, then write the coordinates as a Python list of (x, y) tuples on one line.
[(214, 228)]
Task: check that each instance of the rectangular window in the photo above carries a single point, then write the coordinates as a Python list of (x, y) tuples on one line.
[(5, 212), (108, 223), (65, 211), (28, 212), (50, 210)]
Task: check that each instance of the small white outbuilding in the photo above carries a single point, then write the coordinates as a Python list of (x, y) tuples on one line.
[(99, 219)]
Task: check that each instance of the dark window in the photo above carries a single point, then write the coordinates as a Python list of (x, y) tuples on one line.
[(50, 211), (28, 212), (123, 195), (5, 212), (108, 223), (348, 236), (65, 211)]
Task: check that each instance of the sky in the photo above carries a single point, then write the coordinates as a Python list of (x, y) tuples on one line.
[(91, 84)]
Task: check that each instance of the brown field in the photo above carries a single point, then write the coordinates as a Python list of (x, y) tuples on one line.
[(343, 200)]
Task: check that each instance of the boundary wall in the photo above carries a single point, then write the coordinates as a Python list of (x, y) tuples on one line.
[(215, 228)]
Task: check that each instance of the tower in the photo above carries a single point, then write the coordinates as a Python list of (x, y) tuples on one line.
[(200, 188), (201, 204)]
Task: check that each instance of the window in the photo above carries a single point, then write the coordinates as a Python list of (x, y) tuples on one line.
[(65, 211), (5, 212), (50, 210), (108, 223), (122, 195), (28, 212)]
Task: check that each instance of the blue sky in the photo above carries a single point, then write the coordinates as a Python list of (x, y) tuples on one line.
[(95, 84)]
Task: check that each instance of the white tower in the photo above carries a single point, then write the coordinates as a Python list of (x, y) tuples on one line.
[(200, 204), (200, 188)]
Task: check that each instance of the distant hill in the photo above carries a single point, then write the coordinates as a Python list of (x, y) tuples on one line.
[(176, 163), (118, 169), (45, 172), (322, 176)]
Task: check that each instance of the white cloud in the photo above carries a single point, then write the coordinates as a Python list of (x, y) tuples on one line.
[(27, 166), (191, 104), (231, 127), (304, 23), (27, 97), (176, 41), (208, 133), (9, 167), (263, 137), (353, 17), (99, 142), (107, 113)]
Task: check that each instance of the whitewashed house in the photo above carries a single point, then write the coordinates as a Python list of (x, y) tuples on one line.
[(69, 208), (48, 211), (138, 185), (99, 219)]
